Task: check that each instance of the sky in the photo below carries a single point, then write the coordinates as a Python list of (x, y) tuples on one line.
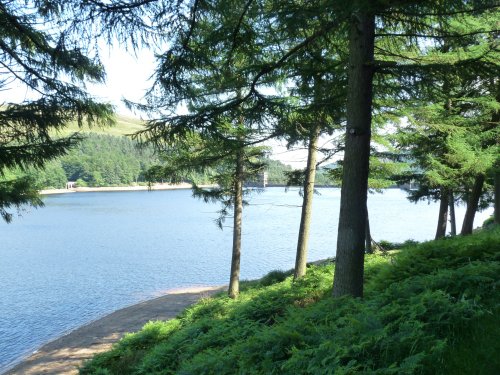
[(127, 77)]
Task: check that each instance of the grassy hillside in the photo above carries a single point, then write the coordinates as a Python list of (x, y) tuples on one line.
[(124, 126), (430, 309)]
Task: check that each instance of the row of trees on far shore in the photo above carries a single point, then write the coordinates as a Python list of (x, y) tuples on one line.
[(403, 90), (106, 160)]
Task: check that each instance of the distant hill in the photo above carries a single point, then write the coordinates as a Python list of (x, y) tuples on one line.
[(125, 125), (106, 157)]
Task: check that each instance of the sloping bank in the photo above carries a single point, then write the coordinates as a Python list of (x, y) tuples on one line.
[(431, 309), (65, 354)]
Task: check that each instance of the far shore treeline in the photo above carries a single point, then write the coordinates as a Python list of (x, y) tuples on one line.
[(114, 160)]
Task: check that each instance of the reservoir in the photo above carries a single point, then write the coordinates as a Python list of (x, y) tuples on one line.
[(85, 255)]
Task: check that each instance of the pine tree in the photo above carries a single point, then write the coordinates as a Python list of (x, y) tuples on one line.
[(452, 130), (388, 43), (311, 117), (230, 164), (51, 68), (201, 69), (404, 31)]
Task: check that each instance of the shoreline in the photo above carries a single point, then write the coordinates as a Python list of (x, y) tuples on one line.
[(158, 186), (65, 353), (163, 186)]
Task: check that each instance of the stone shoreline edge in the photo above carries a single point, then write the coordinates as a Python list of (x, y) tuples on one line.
[(158, 186), (118, 188), (65, 354)]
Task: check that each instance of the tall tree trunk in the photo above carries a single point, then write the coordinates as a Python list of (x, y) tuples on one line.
[(453, 220), (497, 196), (472, 205), (305, 218), (495, 120), (443, 214), (234, 281), (368, 235), (348, 279)]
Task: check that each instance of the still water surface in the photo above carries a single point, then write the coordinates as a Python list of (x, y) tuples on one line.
[(87, 254)]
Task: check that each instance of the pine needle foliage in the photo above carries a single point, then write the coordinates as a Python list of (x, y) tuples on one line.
[(230, 55), (52, 68)]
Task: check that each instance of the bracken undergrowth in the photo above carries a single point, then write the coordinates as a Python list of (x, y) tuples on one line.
[(432, 308)]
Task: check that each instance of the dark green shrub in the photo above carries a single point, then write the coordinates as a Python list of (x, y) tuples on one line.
[(489, 222), (273, 277), (387, 245)]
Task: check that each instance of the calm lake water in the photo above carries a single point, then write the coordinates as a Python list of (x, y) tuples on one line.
[(85, 255)]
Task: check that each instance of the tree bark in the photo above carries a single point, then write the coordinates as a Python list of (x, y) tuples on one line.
[(305, 218), (348, 279), (496, 178), (234, 281), (368, 235), (472, 205), (453, 220), (443, 214), (497, 197)]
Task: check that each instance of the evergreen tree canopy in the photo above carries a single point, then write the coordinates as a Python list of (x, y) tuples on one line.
[(452, 130), (50, 68), (226, 55)]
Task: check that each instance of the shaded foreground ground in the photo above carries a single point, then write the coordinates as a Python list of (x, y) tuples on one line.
[(64, 355)]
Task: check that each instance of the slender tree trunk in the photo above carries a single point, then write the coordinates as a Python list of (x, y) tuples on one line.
[(497, 196), (368, 235), (495, 120), (234, 281), (305, 218), (453, 220), (348, 279), (472, 205), (443, 214)]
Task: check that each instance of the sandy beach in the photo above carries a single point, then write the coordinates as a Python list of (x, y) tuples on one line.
[(117, 188), (65, 354)]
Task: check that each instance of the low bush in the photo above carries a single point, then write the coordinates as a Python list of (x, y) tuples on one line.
[(387, 245), (274, 277), (489, 223)]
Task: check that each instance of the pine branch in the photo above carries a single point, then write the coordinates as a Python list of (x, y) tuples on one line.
[(445, 14), (237, 29), (437, 36), (120, 6)]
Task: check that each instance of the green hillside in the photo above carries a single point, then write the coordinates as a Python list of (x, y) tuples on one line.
[(105, 157), (429, 309), (108, 157), (125, 125)]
